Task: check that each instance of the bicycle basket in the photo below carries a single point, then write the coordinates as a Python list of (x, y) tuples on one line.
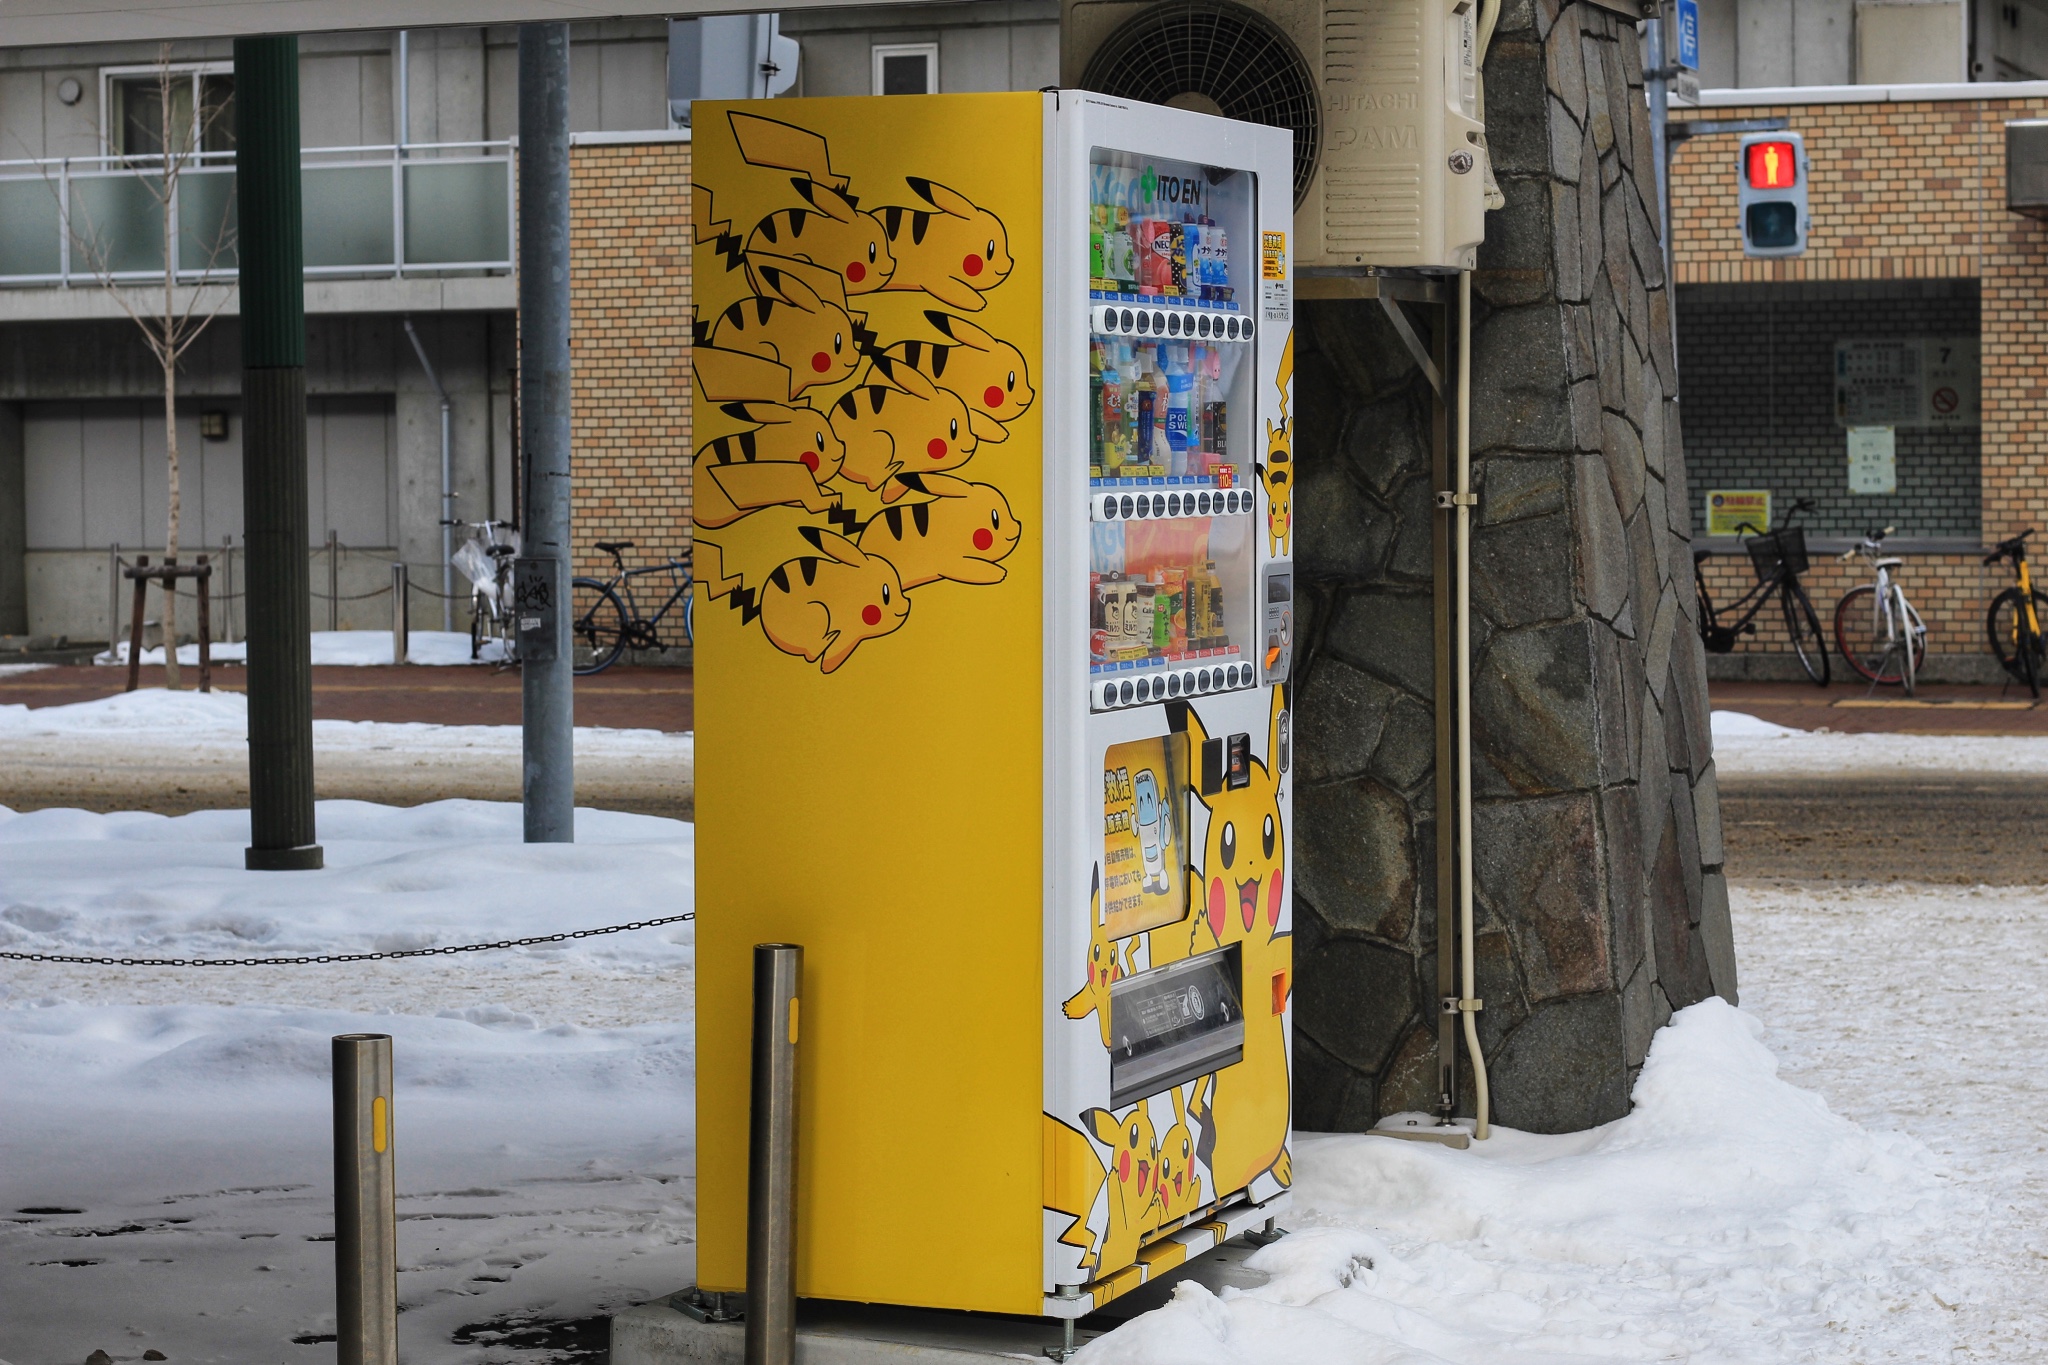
[(1784, 549)]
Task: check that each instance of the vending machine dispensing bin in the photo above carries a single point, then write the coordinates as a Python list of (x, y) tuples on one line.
[(994, 622)]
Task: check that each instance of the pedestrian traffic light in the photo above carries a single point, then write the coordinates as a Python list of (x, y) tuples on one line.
[(1771, 194)]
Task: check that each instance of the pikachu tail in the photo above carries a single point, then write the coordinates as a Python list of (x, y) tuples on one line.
[(1073, 1178)]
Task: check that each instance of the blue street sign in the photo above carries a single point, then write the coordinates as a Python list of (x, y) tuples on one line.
[(1689, 34)]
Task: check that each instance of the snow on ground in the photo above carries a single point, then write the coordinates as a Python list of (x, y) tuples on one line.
[(1748, 747), (543, 1114), (358, 647), (189, 720)]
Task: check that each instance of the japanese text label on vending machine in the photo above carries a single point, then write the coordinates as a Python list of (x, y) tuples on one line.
[(1144, 824)]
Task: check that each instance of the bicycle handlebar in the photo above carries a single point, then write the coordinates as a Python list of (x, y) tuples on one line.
[(2011, 547)]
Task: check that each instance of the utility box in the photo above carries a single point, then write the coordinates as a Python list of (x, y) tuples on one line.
[(994, 621), (1382, 95), (2026, 167)]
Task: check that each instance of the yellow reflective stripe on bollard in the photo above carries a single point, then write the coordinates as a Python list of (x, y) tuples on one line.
[(792, 1020), (380, 1124)]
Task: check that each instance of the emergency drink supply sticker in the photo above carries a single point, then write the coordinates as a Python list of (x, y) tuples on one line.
[(1276, 290), (1143, 862)]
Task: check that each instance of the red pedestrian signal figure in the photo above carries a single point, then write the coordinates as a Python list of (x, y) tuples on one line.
[(1771, 195)]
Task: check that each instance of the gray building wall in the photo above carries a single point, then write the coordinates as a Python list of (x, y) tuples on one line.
[(985, 45), (1749, 43)]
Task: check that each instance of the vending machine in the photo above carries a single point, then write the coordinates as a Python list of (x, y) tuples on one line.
[(993, 487)]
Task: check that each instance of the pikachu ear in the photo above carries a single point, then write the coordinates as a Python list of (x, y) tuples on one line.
[(834, 546), (960, 330), (905, 377), (1273, 728), (939, 197), (1180, 1106), (1108, 1129), (767, 142), (986, 428), (937, 485), (826, 200)]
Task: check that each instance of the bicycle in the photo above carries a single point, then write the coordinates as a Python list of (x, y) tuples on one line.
[(2014, 621), (1877, 630), (604, 618), (485, 559), (1778, 557)]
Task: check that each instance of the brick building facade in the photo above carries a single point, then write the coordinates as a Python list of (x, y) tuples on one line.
[(1910, 237), (629, 335)]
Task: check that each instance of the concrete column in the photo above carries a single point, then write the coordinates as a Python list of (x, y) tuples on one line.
[(1601, 905), (274, 455), (549, 782), (13, 524)]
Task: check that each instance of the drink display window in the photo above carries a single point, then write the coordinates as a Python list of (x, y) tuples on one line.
[(1172, 282)]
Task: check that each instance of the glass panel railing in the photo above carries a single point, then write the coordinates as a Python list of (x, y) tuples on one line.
[(457, 212), (347, 216), (117, 223), (206, 220), (29, 227)]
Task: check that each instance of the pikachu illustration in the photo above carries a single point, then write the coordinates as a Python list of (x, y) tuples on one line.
[(1237, 895), (897, 423), (1277, 473), (945, 246), (1132, 1178), (823, 606), (1180, 1183), (960, 533), (1104, 967), (990, 375), (793, 324)]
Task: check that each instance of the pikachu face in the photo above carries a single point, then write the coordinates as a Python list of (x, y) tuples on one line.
[(1133, 1183), (1239, 894), (960, 534), (1180, 1184), (988, 373), (945, 246), (831, 232), (1277, 473), (900, 424), (1104, 970), (810, 335), (823, 606)]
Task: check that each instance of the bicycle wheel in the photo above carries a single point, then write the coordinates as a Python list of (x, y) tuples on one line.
[(2020, 651), (1803, 625), (1869, 643), (597, 622)]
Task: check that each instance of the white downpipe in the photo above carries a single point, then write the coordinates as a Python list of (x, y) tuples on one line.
[(1468, 1001), (447, 483)]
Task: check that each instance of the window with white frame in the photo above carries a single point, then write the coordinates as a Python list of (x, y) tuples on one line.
[(201, 99), (906, 68)]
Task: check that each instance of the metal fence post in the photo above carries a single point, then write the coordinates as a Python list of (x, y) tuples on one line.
[(771, 1158), (333, 579), (401, 611), (365, 1203), (114, 602)]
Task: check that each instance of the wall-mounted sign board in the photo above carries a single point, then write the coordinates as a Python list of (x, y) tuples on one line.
[(1873, 460), (1906, 382), (1738, 511)]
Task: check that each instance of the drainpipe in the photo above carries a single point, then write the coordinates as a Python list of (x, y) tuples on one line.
[(1468, 1001), (447, 483)]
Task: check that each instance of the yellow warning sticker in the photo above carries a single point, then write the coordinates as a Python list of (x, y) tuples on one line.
[(1273, 256)]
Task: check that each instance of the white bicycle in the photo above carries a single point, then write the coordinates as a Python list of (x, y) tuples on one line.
[(1876, 628)]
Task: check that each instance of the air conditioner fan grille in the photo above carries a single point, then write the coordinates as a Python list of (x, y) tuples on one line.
[(1230, 54)]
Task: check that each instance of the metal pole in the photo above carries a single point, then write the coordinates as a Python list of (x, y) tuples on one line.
[(771, 1158), (227, 589), (114, 601), (333, 579), (365, 1203), (541, 579), (401, 612), (279, 609)]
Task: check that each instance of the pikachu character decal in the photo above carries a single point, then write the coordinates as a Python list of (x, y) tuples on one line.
[(1104, 968), (1132, 1179), (1277, 470), (1237, 895), (1180, 1180), (841, 397)]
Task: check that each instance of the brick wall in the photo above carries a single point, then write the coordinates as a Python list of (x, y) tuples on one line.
[(1902, 191), (1757, 361), (630, 345)]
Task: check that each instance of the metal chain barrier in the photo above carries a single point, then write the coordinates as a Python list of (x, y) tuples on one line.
[(325, 958)]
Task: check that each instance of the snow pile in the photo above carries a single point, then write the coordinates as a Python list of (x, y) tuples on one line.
[(358, 647), (189, 719), (1749, 747), (1729, 1217)]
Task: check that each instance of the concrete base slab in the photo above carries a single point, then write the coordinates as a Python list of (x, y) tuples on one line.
[(829, 1333)]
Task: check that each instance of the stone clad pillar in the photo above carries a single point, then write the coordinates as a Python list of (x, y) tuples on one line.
[(1601, 906)]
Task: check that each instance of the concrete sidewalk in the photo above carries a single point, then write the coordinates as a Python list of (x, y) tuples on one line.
[(1938, 709)]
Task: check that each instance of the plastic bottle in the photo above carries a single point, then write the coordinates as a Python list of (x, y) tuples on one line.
[(1180, 385), (1109, 407), (1097, 451), (1162, 398), (1149, 412)]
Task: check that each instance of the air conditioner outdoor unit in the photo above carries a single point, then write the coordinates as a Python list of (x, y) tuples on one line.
[(1390, 161)]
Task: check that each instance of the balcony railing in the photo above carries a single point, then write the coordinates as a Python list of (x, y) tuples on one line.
[(419, 209)]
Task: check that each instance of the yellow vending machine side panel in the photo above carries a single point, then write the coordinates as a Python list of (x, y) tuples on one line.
[(870, 286)]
